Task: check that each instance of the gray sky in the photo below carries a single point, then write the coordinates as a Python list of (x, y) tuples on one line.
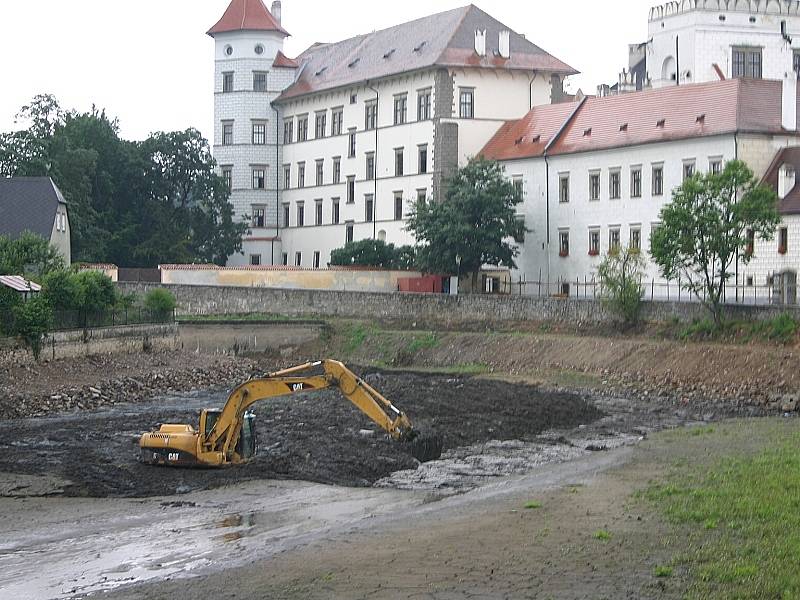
[(149, 62)]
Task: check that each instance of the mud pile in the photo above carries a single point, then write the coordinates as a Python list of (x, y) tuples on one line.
[(317, 437)]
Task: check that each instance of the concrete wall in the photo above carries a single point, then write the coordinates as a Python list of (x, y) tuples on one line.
[(69, 344), (421, 308), (318, 279)]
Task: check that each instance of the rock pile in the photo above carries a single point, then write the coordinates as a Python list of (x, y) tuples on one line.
[(18, 401)]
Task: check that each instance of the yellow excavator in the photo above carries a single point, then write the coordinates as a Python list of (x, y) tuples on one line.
[(228, 436)]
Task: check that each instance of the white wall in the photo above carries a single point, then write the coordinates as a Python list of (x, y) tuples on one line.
[(580, 215), (705, 40)]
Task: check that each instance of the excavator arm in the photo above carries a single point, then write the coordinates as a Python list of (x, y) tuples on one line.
[(223, 437)]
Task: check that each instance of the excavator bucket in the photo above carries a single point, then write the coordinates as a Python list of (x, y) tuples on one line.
[(425, 445)]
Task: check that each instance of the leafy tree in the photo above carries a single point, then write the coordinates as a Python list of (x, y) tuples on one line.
[(621, 283), (97, 292), (473, 226), (63, 291), (131, 203), (32, 320), (704, 228), (30, 255), (373, 253)]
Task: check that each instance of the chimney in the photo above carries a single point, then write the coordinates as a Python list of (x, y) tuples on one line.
[(789, 102), (480, 42), (276, 11), (505, 44)]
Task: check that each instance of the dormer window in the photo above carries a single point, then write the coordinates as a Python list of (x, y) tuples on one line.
[(787, 179), (354, 63), (661, 123), (623, 127), (587, 132), (420, 47), (701, 119), (389, 54)]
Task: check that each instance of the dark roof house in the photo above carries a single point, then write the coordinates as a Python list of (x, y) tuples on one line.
[(35, 204)]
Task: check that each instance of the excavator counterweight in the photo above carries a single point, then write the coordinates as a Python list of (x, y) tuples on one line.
[(228, 435)]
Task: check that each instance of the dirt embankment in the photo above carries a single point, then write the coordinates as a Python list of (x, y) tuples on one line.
[(756, 375), (89, 383)]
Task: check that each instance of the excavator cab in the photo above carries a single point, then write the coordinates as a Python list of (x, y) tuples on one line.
[(247, 446)]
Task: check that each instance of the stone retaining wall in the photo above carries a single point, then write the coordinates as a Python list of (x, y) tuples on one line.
[(425, 308), (102, 340)]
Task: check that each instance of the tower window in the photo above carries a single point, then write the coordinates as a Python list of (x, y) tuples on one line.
[(747, 63), (466, 108), (259, 81), (227, 133), (259, 178), (259, 213), (227, 82), (259, 134), (259, 49)]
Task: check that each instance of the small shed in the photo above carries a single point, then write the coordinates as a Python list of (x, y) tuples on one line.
[(22, 286)]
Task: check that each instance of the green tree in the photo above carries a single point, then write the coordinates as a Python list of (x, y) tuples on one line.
[(8, 300), (96, 291), (32, 320), (472, 226), (131, 203), (703, 230), (30, 255), (63, 291), (621, 288), (373, 253)]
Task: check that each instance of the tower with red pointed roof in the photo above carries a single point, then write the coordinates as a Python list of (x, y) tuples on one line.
[(250, 72)]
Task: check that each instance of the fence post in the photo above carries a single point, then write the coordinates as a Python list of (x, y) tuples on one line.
[(652, 290)]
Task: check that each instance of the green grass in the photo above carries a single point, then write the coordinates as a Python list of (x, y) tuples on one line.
[(663, 571), (781, 330), (742, 518), (424, 341), (533, 505), (354, 337), (602, 535)]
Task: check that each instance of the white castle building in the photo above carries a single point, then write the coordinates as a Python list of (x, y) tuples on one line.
[(336, 144)]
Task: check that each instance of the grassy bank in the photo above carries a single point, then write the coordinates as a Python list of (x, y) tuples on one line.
[(736, 518)]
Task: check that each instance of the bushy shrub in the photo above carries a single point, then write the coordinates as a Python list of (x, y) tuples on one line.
[(32, 320), (621, 284), (160, 302)]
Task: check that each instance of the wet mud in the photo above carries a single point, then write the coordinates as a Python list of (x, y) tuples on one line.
[(317, 437)]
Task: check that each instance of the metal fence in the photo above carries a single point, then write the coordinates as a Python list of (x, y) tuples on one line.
[(654, 290), (67, 320)]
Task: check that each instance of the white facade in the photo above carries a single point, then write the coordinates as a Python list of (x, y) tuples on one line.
[(497, 97), (580, 216), (700, 39)]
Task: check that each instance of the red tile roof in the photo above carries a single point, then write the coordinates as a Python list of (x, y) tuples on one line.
[(690, 111), (530, 135), (446, 39), (246, 15), (284, 62)]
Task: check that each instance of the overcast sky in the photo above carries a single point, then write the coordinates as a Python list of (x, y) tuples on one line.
[(149, 62)]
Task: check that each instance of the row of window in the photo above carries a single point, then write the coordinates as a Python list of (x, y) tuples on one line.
[(614, 240), (424, 113), (783, 241), (255, 259), (635, 189), (369, 168), (334, 210), (258, 133), (259, 82)]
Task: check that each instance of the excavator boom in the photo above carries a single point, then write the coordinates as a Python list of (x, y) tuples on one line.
[(227, 436)]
